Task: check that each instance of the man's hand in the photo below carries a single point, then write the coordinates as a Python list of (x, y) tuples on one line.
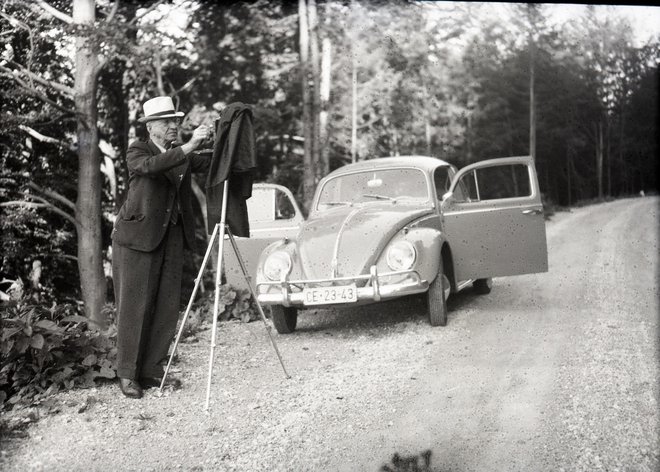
[(201, 134)]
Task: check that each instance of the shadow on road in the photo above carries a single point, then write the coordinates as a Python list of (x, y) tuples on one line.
[(370, 319)]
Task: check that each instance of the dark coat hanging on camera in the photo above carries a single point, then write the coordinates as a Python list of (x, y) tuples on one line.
[(233, 160)]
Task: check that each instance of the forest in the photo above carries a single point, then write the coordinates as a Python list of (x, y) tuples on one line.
[(330, 82)]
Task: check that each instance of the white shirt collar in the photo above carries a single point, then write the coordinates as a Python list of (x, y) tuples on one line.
[(162, 149)]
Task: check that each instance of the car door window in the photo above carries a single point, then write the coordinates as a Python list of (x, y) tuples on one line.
[(467, 188), (284, 209), (493, 183)]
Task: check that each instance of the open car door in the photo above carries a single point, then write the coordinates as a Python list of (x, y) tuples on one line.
[(493, 219), (273, 214)]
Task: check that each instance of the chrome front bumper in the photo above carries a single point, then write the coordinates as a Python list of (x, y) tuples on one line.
[(378, 287)]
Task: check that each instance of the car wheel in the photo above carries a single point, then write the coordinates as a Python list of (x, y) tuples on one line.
[(437, 299), (483, 286), (284, 318)]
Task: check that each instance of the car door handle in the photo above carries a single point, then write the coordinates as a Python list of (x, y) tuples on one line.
[(535, 211)]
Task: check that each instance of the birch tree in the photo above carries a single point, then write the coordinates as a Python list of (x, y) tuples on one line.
[(77, 101)]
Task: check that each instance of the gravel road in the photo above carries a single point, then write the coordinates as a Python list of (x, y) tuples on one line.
[(549, 372)]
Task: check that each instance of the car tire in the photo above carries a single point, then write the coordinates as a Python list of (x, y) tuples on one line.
[(437, 299), (483, 286), (284, 318)]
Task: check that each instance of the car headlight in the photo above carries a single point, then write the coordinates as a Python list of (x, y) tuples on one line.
[(277, 265), (401, 255)]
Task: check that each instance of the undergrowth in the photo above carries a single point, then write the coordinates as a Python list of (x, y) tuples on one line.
[(232, 304), (47, 350)]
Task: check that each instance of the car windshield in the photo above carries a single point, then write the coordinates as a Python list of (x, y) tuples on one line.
[(397, 185)]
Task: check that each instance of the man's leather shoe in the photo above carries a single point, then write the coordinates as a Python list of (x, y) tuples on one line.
[(149, 382), (130, 388)]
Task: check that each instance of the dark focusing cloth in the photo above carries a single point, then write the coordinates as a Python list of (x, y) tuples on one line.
[(233, 160)]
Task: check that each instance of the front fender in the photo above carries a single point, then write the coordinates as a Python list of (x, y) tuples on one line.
[(282, 244), (428, 244), (286, 245)]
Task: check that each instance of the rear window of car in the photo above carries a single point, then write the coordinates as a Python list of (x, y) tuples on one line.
[(402, 185)]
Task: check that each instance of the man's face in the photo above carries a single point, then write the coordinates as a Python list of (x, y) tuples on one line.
[(164, 131)]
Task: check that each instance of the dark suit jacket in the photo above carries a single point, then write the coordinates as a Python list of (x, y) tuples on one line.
[(155, 178), (234, 158)]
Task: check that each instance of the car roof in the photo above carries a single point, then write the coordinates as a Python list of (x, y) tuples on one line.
[(425, 163)]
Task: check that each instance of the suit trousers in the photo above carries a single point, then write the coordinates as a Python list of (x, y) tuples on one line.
[(147, 296)]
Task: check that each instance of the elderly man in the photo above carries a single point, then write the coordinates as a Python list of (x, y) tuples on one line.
[(150, 231)]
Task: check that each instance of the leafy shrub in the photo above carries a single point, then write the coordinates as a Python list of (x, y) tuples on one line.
[(45, 350), (233, 304)]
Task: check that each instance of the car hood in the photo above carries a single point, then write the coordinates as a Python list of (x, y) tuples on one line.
[(350, 239)]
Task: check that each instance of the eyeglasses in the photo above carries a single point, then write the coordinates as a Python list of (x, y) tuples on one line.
[(168, 121)]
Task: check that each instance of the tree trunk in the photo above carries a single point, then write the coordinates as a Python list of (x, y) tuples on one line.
[(315, 59), (428, 134), (354, 110), (468, 137), (606, 163), (532, 99), (158, 67), (90, 184), (599, 159), (309, 173), (395, 141), (326, 62), (621, 140), (568, 177)]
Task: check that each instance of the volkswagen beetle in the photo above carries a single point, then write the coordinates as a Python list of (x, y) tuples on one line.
[(396, 226)]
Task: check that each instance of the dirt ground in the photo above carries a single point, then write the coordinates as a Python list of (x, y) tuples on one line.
[(549, 372)]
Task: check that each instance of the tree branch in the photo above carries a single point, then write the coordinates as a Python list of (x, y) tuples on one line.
[(54, 12), (45, 139), (61, 256), (62, 88), (112, 13), (23, 25), (35, 93), (55, 209), (44, 204), (145, 13), (59, 118), (102, 61), (185, 86), (158, 69), (53, 194)]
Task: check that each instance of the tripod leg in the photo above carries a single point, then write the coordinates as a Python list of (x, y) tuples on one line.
[(198, 281), (218, 271), (254, 296), (216, 304)]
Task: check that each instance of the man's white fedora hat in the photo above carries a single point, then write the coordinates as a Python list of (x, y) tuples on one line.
[(159, 108)]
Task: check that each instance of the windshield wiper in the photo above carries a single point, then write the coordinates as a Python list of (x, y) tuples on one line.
[(334, 203), (377, 197)]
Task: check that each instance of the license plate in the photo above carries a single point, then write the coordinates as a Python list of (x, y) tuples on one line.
[(329, 295)]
